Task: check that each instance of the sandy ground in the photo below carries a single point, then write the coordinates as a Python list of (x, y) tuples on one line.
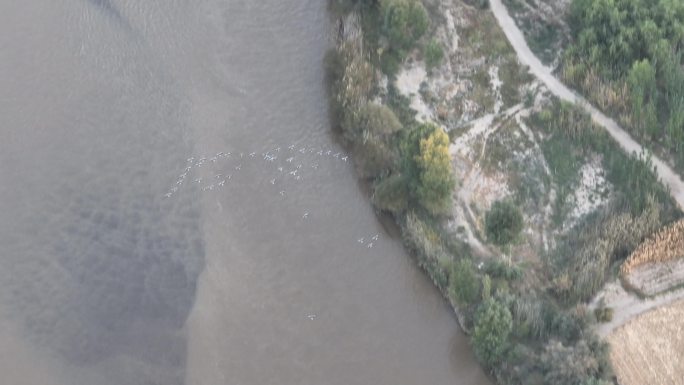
[(627, 305), (408, 83), (544, 73), (650, 348)]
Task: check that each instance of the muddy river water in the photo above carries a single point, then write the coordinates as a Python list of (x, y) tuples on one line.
[(174, 210)]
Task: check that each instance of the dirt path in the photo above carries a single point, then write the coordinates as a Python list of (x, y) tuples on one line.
[(626, 305), (544, 73)]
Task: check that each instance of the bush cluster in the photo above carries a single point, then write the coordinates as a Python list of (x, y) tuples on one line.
[(503, 222)]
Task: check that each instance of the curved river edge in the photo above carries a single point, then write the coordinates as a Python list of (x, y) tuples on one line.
[(350, 31)]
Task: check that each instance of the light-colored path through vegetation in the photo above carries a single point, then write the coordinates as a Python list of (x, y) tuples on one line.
[(544, 74)]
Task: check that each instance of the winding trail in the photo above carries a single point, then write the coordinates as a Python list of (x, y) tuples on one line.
[(544, 74)]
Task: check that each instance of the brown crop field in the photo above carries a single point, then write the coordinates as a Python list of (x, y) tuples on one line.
[(650, 348)]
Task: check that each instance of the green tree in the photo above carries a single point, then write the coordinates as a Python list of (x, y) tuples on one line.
[(376, 154), (378, 119), (433, 54), (404, 22), (463, 284), (374, 157), (503, 222), (493, 325), (642, 84), (426, 165), (391, 194), (436, 177)]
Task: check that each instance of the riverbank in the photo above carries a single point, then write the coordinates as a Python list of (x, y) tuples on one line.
[(289, 295), (510, 139)]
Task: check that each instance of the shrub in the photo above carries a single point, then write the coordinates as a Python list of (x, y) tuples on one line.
[(374, 157), (378, 119), (373, 133), (433, 54), (501, 269), (486, 287), (567, 325), (436, 178), (351, 82), (426, 164), (584, 256), (603, 314), (583, 363), (422, 239), (532, 316), (503, 222), (391, 194), (482, 4), (493, 325), (463, 284), (404, 22)]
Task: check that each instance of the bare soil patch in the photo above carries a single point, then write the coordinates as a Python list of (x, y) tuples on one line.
[(649, 349)]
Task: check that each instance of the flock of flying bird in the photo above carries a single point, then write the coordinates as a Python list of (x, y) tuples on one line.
[(290, 163), (289, 169)]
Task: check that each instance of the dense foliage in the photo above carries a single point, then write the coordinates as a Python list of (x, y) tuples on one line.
[(463, 282), (503, 222), (404, 22), (493, 325), (433, 54), (627, 55), (435, 176)]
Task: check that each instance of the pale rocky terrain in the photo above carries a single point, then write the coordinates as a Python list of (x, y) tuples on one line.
[(476, 95)]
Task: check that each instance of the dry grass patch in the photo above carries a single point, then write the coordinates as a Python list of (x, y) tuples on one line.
[(665, 245), (649, 349)]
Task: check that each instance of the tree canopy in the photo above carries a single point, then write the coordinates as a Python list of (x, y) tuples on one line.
[(426, 164), (503, 222), (404, 22), (493, 325), (633, 45)]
